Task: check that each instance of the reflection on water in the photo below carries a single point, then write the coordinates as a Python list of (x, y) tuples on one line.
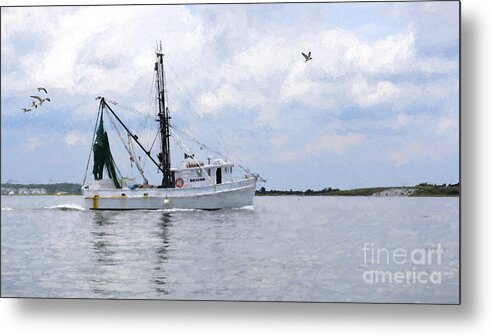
[(161, 251), (116, 237), (103, 247)]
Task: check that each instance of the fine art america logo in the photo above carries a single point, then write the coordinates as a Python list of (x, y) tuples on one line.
[(401, 266)]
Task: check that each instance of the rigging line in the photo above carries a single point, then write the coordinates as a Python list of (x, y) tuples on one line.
[(119, 134), (150, 101), (128, 108), (92, 144), (190, 137), (131, 109), (153, 142), (137, 162), (202, 115), (178, 141), (185, 91), (134, 137), (248, 171), (129, 148)]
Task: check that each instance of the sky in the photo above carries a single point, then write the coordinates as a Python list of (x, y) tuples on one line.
[(378, 104)]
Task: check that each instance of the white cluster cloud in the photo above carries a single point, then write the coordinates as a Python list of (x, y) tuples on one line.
[(318, 147), (417, 150), (91, 50), (346, 69), (445, 124), (94, 50), (77, 138), (32, 142), (367, 95)]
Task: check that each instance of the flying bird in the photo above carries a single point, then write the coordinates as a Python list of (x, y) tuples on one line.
[(307, 57), (42, 89), (34, 104), (25, 110), (41, 100)]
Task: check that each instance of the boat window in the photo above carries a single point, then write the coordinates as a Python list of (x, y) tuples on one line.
[(218, 176), (199, 172), (208, 172)]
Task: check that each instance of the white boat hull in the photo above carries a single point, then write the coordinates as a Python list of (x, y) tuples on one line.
[(227, 195)]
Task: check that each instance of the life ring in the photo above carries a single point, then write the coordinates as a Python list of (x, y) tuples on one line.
[(179, 182)]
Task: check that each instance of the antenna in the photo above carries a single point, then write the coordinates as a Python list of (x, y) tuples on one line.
[(159, 48)]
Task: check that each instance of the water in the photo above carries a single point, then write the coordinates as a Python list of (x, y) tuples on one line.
[(283, 249)]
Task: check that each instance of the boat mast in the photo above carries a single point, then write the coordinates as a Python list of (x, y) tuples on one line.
[(163, 119)]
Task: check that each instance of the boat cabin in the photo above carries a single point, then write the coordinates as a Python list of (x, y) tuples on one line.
[(194, 174)]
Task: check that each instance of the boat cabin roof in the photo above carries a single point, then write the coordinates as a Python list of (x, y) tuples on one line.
[(193, 164)]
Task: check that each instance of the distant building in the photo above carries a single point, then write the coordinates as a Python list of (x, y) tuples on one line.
[(24, 191), (38, 191), (8, 191)]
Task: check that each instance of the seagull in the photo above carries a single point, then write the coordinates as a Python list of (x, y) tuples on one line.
[(307, 57), (41, 100), (34, 104), (25, 110), (42, 89)]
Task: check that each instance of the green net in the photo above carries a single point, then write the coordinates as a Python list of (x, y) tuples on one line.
[(103, 157)]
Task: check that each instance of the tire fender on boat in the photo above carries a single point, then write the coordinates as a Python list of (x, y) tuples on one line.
[(179, 182)]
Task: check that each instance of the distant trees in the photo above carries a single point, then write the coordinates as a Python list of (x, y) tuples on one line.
[(422, 189), (308, 192)]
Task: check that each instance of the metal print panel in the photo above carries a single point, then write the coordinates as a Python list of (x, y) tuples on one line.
[(246, 152)]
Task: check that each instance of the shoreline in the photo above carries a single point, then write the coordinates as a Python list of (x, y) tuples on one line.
[(420, 190)]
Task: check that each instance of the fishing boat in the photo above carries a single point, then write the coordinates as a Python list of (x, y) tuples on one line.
[(194, 184)]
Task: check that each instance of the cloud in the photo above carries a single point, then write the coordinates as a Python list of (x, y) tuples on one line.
[(272, 67), (444, 125), (279, 139), (338, 143), (417, 150), (393, 54), (319, 147), (402, 120), (435, 65), (32, 143), (229, 96), (77, 138), (93, 49), (97, 50), (368, 95)]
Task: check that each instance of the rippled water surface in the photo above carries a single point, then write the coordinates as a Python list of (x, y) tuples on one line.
[(283, 248)]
